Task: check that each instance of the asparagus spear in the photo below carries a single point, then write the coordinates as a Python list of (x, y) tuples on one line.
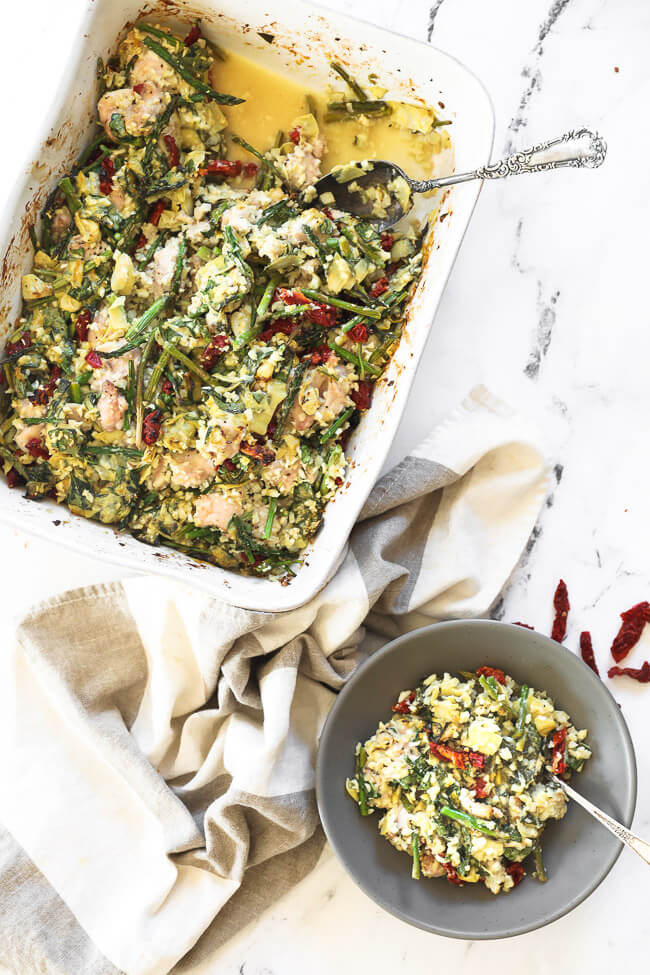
[(415, 849), (338, 423), (364, 310), (187, 76), (468, 820)]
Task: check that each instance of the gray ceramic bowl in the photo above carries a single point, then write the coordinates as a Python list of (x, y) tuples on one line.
[(578, 853)]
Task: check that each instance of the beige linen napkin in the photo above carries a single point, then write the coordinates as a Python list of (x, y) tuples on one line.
[(158, 745)]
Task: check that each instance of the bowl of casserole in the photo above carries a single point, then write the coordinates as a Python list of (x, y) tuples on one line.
[(473, 803), (301, 46)]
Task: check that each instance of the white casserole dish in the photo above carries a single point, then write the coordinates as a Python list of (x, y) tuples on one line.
[(306, 38)]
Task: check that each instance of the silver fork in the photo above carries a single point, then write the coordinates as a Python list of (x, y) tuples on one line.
[(621, 832)]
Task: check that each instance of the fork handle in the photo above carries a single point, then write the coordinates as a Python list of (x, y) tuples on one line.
[(584, 149), (621, 832)]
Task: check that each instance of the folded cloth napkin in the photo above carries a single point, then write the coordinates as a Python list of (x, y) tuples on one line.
[(158, 745)]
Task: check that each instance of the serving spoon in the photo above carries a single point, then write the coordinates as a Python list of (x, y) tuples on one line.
[(578, 148), (621, 832)]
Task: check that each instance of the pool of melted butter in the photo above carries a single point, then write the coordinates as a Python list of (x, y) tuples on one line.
[(273, 101)]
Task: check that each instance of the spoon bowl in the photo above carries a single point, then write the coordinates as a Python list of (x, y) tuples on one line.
[(382, 193)]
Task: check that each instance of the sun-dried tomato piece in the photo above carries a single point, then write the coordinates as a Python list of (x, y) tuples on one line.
[(290, 296), (151, 426), (37, 448), (294, 135), (387, 241), (379, 287), (284, 325), (258, 451), (402, 707), (328, 213), (558, 762), (495, 672), (362, 395), (167, 387), (213, 350), (359, 333), (172, 150), (94, 360), (250, 169), (229, 464), (642, 673), (562, 606), (526, 626), (192, 36), (221, 167), (452, 875), (320, 355), (459, 758), (156, 210), (13, 478), (139, 89), (84, 318), (516, 871), (634, 619), (587, 651), (480, 787), (106, 173), (324, 315), (20, 344), (42, 396)]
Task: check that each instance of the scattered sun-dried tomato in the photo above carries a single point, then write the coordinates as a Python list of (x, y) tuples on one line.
[(516, 871), (526, 626), (294, 135), (452, 875), (320, 355), (167, 387), (324, 315), (42, 396), (20, 344), (402, 707), (284, 325), (13, 478), (558, 762), (37, 448), (84, 318), (328, 213), (258, 451), (156, 210), (587, 651), (480, 788), (642, 673), (379, 287), (221, 167), (213, 350), (106, 173), (495, 672), (172, 149), (359, 333), (140, 242), (151, 426), (94, 360), (362, 395), (290, 296), (459, 758), (387, 241), (139, 89), (193, 35), (250, 169), (562, 606), (634, 619)]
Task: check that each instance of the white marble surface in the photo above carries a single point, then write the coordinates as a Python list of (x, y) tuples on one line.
[(546, 303)]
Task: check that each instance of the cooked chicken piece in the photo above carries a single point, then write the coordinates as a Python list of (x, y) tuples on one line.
[(138, 109), (216, 510), (112, 407), (190, 469)]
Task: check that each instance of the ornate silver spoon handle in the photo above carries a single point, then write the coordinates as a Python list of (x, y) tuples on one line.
[(621, 832), (581, 148)]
